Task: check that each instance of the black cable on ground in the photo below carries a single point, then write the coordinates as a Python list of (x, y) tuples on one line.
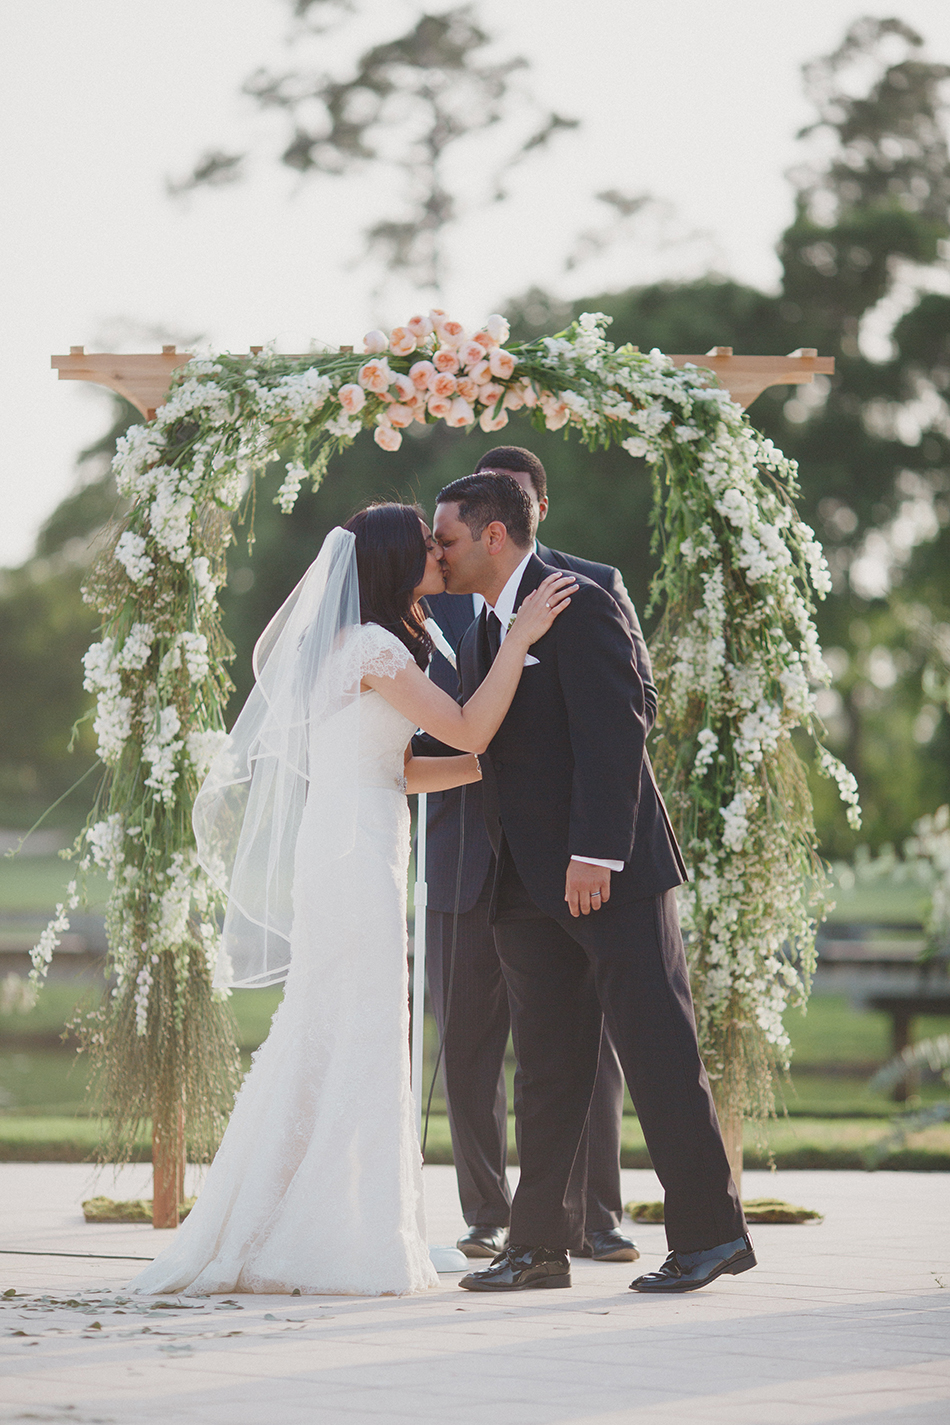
[(447, 992), (86, 1256)]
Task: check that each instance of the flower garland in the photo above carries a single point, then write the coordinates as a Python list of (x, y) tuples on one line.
[(737, 654)]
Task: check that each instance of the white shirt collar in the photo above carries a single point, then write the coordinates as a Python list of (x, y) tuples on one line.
[(505, 603)]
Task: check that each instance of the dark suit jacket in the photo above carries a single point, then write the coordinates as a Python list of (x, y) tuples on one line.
[(567, 773), (454, 613)]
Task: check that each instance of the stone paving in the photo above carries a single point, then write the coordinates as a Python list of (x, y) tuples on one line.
[(847, 1320)]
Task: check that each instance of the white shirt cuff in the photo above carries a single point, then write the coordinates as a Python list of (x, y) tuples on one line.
[(595, 861)]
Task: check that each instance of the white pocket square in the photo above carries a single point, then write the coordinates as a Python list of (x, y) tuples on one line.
[(529, 658)]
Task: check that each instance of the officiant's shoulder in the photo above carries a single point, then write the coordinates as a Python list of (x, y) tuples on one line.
[(589, 600)]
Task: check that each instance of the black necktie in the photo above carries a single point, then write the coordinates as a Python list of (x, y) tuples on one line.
[(493, 625)]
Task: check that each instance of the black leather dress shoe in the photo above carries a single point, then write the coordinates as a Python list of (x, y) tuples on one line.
[(485, 1241), (521, 1268), (610, 1246), (688, 1271)]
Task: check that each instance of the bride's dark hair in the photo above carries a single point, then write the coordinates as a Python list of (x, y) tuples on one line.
[(390, 562)]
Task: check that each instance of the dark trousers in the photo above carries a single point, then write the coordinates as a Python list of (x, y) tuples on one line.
[(624, 966), (474, 1077)]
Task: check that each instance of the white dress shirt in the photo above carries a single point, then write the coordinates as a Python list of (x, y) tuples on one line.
[(504, 608)]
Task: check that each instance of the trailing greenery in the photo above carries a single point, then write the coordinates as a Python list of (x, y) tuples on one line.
[(737, 649)]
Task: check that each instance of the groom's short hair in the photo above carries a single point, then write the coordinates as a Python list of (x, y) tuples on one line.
[(515, 457), (484, 498)]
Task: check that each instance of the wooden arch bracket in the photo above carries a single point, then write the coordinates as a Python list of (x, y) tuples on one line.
[(143, 379)]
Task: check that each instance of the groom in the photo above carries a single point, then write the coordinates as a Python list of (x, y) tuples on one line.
[(584, 912), (461, 949)]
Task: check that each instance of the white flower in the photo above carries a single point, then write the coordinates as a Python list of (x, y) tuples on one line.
[(708, 747), (136, 649), (143, 985), (106, 842), (203, 747), (636, 446), (344, 427), (736, 822), (286, 496), (130, 552), (170, 516), (297, 396), (42, 952), (161, 751), (375, 342), (201, 573)]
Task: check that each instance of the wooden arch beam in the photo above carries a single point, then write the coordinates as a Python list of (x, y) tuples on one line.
[(143, 379)]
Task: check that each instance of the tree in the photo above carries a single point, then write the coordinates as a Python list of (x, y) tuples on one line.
[(45, 628), (400, 111)]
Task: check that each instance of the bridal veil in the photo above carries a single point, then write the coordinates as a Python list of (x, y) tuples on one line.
[(295, 740)]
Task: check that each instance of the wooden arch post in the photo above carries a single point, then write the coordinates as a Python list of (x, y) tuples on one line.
[(143, 380)]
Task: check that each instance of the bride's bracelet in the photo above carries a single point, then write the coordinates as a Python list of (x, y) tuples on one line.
[(478, 765)]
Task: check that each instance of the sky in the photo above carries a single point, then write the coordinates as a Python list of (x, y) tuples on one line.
[(695, 103)]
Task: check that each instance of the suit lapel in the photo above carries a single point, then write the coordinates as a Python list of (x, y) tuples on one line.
[(535, 573)]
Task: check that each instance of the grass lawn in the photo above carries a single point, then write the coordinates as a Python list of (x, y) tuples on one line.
[(830, 1114), (36, 884)]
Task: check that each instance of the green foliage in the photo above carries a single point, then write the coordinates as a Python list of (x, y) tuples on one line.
[(45, 628)]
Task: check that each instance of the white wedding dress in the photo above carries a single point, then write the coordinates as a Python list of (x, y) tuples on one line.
[(317, 1184)]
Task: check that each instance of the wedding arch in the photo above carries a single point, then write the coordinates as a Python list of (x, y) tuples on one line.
[(736, 655)]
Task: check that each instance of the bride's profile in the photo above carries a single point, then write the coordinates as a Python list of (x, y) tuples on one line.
[(303, 822)]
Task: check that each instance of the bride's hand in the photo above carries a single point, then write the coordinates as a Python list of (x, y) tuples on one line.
[(539, 610)]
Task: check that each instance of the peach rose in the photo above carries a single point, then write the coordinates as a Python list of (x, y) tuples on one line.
[(445, 359), (488, 422), (443, 384), (387, 437), (528, 393), (490, 393), (556, 413), (485, 339), (498, 328), (480, 373), (419, 374), (401, 341), (375, 376), (471, 353), (467, 387), (421, 413), (404, 387), (460, 414), (514, 398), (421, 327), (452, 333), (438, 318), (352, 398), (439, 406), (401, 415), (375, 341), (501, 363)]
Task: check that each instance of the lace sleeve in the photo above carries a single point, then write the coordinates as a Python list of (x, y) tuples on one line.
[(381, 652)]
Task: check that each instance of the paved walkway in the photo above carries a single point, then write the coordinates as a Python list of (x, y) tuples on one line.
[(848, 1321)]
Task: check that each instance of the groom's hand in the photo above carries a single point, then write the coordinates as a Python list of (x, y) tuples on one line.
[(586, 888)]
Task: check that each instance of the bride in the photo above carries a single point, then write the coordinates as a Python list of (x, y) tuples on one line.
[(303, 821)]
